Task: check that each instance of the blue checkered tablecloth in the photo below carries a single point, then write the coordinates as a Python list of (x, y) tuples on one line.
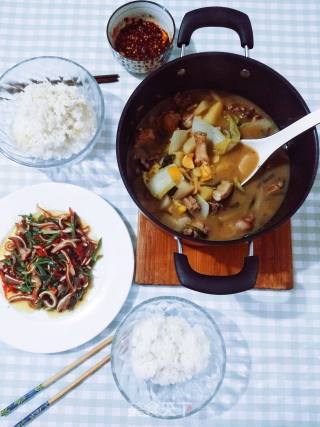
[(272, 338)]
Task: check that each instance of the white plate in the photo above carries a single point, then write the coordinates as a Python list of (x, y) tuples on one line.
[(38, 331)]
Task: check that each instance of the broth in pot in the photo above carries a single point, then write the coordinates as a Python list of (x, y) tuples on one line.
[(188, 163)]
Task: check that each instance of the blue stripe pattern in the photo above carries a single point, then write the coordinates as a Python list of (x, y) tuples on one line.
[(6, 411), (29, 418)]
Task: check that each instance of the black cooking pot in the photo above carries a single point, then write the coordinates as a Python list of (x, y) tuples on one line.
[(246, 77)]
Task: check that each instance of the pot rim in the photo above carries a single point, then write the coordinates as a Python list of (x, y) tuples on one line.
[(193, 240)]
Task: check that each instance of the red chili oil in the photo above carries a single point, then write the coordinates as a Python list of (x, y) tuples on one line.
[(141, 40)]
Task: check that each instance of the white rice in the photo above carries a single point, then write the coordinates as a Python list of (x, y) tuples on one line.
[(168, 350), (52, 121)]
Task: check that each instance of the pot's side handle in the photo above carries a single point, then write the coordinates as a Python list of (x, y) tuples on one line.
[(216, 17), (217, 285)]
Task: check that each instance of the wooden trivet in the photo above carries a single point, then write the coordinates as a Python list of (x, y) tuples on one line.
[(155, 265)]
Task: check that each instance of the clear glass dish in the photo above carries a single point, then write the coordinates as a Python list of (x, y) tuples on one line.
[(40, 69), (180, 399), (149, 11)]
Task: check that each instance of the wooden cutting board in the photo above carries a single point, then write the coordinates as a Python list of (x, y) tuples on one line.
[(155, 265)]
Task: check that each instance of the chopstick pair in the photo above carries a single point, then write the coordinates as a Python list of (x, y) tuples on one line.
[(10, 408)]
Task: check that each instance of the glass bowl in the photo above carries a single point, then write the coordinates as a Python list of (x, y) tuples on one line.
[(149, 11), (174, 400), (37, 70)]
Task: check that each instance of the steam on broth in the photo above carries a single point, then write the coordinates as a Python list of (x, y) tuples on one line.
[(187, 163)]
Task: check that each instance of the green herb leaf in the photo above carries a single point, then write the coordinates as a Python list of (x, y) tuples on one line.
[(96, 252), (73, 226), (49, 232)]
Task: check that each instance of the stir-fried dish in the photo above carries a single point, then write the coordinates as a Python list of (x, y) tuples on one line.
[(48, 260), (188, 164)]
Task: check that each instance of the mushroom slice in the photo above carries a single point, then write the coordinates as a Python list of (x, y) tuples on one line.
[(275, 187), (48, 299), (223, 190), (245, 223), (196, 229)]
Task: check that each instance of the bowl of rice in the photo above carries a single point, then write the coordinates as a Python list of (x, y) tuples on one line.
[(51, 112), (168, 358)]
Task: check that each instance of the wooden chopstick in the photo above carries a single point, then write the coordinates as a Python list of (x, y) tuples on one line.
[(55, 377), (30, 417), (111, 78)]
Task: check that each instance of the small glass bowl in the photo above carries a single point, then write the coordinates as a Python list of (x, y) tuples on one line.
[(168, 401), (147, 10), (40, 69)]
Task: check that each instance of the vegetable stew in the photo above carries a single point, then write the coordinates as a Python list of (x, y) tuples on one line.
[(187, 163)]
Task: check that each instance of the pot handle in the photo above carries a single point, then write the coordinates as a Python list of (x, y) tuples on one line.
[(217, 285), (216, 17)]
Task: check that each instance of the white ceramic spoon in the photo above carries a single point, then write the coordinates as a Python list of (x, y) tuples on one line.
[(267, 146)]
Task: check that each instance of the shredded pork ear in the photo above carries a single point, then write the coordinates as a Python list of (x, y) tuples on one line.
[(21, 246), (49, 257), (48, 299), (201, 155), (64, 302), (63, 244)]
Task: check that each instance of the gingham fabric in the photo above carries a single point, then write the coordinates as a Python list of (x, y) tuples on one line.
[(272, 338)]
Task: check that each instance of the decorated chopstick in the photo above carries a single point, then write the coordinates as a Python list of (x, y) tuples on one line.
[(63, 392), (55, 377)]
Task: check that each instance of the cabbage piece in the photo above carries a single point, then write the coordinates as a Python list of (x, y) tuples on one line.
[(165, 203), (225, 146), (204, 206), (176, 224), (163, 181), (213, 134), (177, 140), (184, 188), (233, 129), (231, 140)]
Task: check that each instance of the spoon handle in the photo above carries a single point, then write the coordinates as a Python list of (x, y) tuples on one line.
[(266, 146), (295, 129)]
